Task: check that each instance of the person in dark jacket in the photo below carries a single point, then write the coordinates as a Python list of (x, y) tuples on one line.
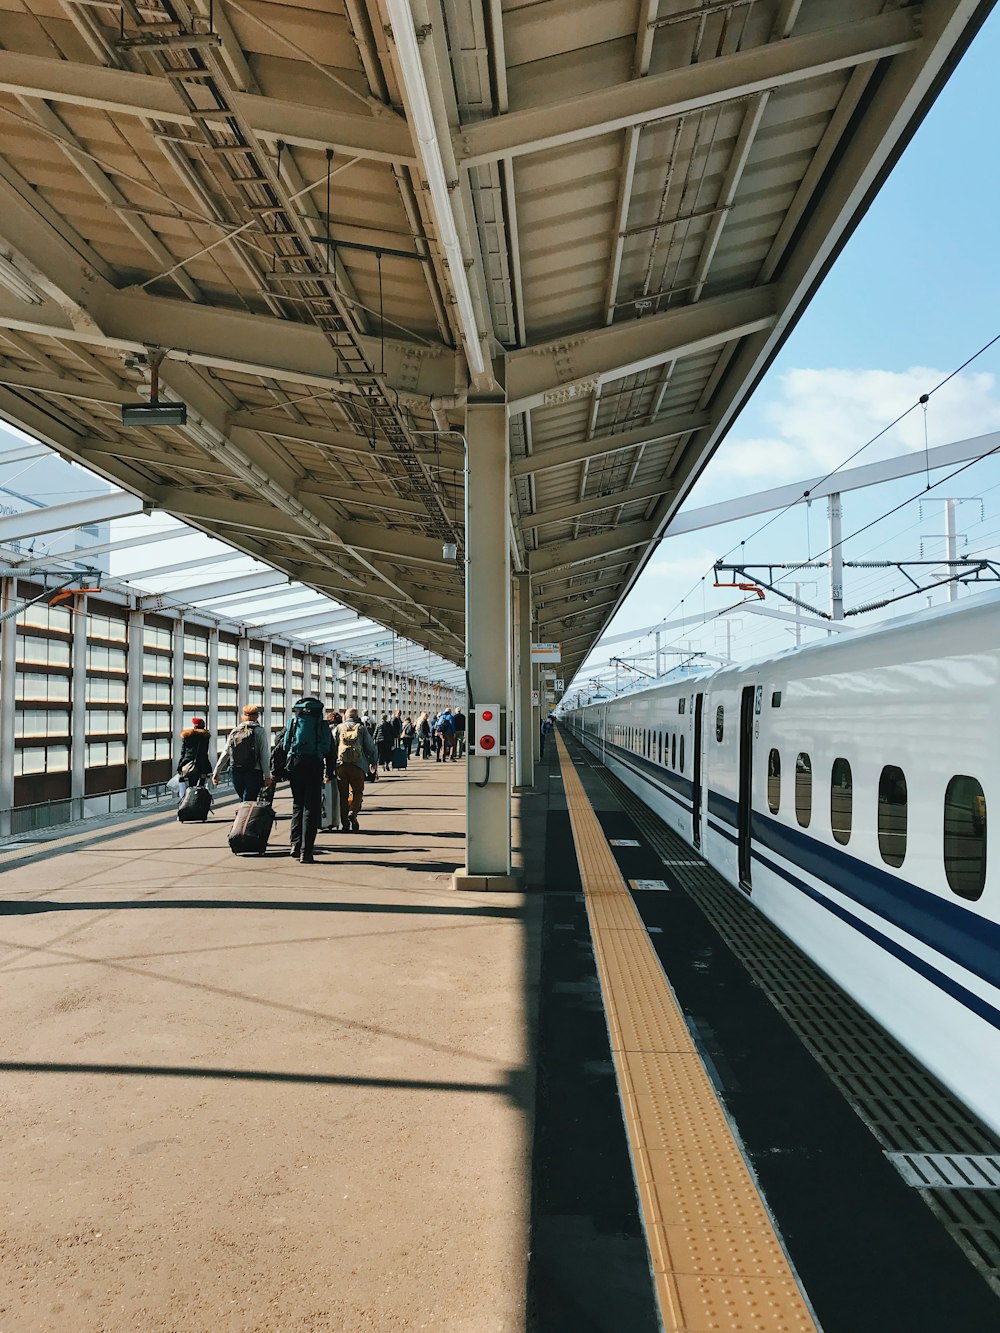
[(307, 757), (458, 717), (385, 741), (409, 736), (424, 736), (194, 765)]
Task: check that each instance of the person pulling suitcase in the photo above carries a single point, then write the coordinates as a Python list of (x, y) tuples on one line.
[(246, 753)]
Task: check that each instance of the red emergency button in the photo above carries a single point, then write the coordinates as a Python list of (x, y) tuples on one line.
[(487, 743), (487, 715)]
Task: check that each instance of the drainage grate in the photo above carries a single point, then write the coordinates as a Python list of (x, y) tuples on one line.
[(948, 1171), (908, 1111)]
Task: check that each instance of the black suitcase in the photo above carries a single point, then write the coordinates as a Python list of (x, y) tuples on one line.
[(399, 757), (252, 825), (196, 805)]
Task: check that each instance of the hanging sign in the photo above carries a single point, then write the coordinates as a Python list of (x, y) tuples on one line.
[(546, 652), (534, 698)]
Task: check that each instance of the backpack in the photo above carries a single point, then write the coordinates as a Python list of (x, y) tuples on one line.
[(349, 750), (243, 751), (307, 735)]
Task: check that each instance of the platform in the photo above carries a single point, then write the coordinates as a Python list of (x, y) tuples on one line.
[(249, 1095), (245, 1094)]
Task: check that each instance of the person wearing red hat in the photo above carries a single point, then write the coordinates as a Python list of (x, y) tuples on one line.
[(194, 765)]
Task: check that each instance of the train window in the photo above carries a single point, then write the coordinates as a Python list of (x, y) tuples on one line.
[(673, 751), (776, 699), (682, 752), (965, 837), (892, 815), (841, 801), (773, 781), (803, 789), (661, 747), (719, 720)]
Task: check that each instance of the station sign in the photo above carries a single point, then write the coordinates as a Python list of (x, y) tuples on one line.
[(559, 684), (547, 652), (534, 698)]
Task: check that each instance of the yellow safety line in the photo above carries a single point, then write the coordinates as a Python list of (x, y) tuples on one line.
[(716, 1259)]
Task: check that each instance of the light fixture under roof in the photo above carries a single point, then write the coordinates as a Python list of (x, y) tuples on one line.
[(154, 413), (15, 282)]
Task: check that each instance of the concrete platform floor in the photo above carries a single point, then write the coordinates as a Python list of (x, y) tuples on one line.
[(248, 1095)]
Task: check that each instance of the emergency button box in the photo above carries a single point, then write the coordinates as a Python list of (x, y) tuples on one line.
[(486, 733)]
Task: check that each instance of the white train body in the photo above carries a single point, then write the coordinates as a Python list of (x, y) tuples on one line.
[(892, 889)]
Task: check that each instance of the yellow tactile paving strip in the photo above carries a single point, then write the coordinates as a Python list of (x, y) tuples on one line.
[(716, 1260)]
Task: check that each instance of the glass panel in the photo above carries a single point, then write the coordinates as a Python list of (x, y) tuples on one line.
[(46, 652), (673, 750), (965, 837), (892, 815), (719, 720), (104, 627), (774, 782), (803, 789), (36, 685), (841, 801), (682, 752)]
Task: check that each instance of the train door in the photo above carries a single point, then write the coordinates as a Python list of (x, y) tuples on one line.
[(699, 700), (746, 773)]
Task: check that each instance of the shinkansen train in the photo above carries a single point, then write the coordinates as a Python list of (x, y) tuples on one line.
[(845, 787)]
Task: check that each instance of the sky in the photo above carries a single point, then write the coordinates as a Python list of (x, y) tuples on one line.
[(914, 294)]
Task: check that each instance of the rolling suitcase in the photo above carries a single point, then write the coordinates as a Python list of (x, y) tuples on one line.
[(252, 825), (330, 822), (196, 805), (399, 757)]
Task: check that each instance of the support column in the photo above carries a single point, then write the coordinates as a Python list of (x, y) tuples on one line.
[(177, 685), (307, 675), (8, 704), (836, 557), (78, 709), (242, 673), (524, 752), (268, 713), (487, 642), (133, 711), (536, 712), (213, 684), (289, 691)]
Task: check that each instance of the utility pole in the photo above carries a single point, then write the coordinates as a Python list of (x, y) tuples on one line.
[(835, 511), (658, 668), (798, 615), (951, 553)]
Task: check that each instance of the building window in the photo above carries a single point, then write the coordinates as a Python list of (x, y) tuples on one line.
[(35, 685), (892, 815), (155, 664), (109, 691), (102, 658), (195, 669), (42, 616), (104, 627), (195, 646), (152, 637), (156, 747), (42, 652), (105, 722), (841, 801), (774, 782), (41, 759), (720, 718), (803, 789), (102, 754), (40, 722), (965, 837)]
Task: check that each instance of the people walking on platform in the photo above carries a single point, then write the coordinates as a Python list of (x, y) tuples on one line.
[(436, 739), (397, 725), (385, 741), (330, 820), (446, 727), (355, 755), (194, 765), (408, 736), (458, 717), (546, 730), (424, 736), (246, 753), (307, 755), (369, 723)]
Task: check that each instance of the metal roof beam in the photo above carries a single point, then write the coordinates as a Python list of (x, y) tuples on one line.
[(103, 548), (594, 504), (137, 576), (75, 514), (329, 437), (677, 92), (207, 592), (385, 138), (538, 375), (563, 554), (331, 617), (10, 456), (602, 446)]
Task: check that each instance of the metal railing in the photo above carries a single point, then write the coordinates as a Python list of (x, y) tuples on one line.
[(25, 819)]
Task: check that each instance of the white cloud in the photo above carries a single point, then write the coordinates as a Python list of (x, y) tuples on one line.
[(821, 417)]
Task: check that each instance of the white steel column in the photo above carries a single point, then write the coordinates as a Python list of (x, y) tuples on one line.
[(268, 718), (836, 557), (952, 546), (289, 691), (212, 720), (78, 708), (133, 711), (307, 675), (524, 751), (177, 685), (242, 673), (8, 669), (487, 641)]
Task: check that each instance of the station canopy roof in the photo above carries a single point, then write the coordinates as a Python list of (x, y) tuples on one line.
[(336, 220)]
